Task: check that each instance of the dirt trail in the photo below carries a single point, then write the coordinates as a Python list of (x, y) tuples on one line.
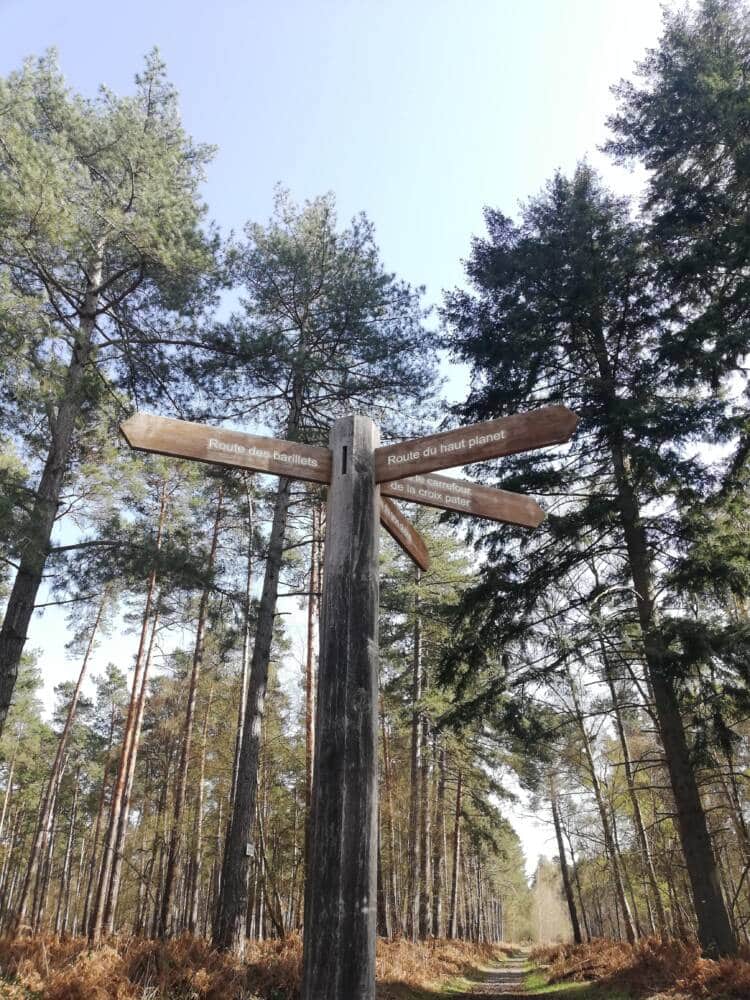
[(506, 982)]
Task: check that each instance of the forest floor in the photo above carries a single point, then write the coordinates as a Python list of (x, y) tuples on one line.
[(45, 968)]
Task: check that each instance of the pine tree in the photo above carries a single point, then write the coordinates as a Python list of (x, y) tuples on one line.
[(566, 309), (325, 329), (101, 233)]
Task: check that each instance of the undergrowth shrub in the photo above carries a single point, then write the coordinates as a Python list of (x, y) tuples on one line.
[(650, 966), (186, 968)]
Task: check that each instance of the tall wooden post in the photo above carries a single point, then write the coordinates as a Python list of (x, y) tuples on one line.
[(340, 893)]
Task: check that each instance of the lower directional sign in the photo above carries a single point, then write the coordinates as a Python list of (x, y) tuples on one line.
[(403, 531), (467, 498)]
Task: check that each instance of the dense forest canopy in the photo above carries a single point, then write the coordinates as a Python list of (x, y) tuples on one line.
[(599, 662)]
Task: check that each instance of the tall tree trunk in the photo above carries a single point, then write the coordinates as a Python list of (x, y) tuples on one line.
[(197, 851), (412, 871), (609, 843), (640, 828), (98, 824), (54, 776), (8, 789), (714, 928), (20, 606), (242, 707), (453, 916), (231, 916), (312, 616), (438, 845), (110, 909), (62, 899), (567, 887), (395, 913), (425, 832), (175, 841), (118, 790)]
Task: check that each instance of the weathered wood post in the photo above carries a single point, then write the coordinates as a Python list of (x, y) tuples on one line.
[(340, 892)]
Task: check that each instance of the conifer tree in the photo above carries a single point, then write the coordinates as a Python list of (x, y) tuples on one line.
[(565, 309), (101, 252), (324, 330)]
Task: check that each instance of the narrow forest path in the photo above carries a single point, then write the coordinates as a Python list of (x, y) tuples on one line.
[(507, 982)]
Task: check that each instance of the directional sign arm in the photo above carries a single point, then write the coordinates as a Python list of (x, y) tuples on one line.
[(218, 446), (404, 533), (466, 497), (476, 443)]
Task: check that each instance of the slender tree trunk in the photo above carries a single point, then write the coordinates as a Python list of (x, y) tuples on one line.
[(43, 876), (54, 776), (312, 616), (98, 824), (242, 707), (438, 843), (62, 899), (395, 913), (425, 832), (175, 841), (714, 929), (110, 909), (118, 790), (577, 878), (231, 916), (197, 858), (8, 790), (609, 842), (20, 606), (567, 887), (453, 916), (640, 829), (413, 867)]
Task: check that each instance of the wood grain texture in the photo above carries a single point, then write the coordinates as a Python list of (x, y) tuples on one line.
[(467, 498), (340, 891), (219, 446), (402, 531), (476, 443)]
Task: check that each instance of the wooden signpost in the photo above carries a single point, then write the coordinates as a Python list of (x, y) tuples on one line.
[(362, 479)]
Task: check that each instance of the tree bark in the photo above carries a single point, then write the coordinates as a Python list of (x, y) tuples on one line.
[(614, 858), (425, 833), (411, 922), (118, 790), (438, 842), (567, 887), (646, 859), (453, 916), (714, 928), (175, 840), (197, 854), (242, 708), (20, 606), (231, 915), (54, 776)]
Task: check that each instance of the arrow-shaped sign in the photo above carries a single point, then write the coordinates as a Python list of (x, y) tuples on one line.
[(467, 498), (403, 531), (184, 439), (218, 446), (491, 439)]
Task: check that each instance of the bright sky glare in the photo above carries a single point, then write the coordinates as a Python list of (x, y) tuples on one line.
[(417, 112)]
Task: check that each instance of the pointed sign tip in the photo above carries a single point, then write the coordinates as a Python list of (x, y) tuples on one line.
[(128, 428)]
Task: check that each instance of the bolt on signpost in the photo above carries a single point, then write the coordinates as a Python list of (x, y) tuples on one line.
[(340, 890)]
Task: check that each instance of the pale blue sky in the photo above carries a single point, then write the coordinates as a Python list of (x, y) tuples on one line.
[(419, 112)]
